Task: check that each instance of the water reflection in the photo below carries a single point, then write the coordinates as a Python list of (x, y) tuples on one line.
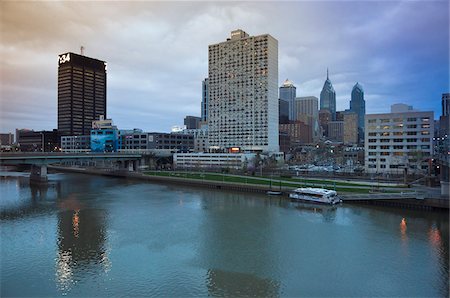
[(229, 227), (403, 228), (327, 211), (81, 242), (233, 284)]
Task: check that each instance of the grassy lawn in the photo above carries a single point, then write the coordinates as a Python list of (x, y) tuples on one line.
[(258, 181)]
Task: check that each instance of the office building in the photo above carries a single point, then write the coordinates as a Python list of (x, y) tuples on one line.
[(205, 100), (243, 93), (144, 141), (358, 106), (445, 104), (444, 119), (351, 128), (324, 118), (283, 108), (212, 160), (37, 141), (6, 139), (336, 131), (81, 93), (192, 122), (104, 136), (298, 132), (74, 144), (398, 141), (328, 98), (200, 136), (307, 109), (288, 92)]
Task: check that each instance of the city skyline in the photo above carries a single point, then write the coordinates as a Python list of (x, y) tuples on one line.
[(152, 47)]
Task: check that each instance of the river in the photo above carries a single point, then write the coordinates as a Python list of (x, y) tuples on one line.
[(88, 235)]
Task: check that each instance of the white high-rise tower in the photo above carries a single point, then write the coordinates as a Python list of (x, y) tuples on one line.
[(243, 93)]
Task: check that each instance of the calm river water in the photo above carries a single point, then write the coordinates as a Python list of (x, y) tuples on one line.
[(97, 236)]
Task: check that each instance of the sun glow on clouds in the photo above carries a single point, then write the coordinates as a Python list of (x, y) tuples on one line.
[(157, 53)]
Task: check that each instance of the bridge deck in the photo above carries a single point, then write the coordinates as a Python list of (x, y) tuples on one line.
[(40, 158)]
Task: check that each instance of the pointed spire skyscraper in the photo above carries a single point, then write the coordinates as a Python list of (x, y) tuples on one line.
[(328, 98)]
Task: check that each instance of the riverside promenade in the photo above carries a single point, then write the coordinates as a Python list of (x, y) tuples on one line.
[(355, 193)]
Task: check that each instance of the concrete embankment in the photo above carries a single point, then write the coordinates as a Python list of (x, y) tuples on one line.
[(410, 202)]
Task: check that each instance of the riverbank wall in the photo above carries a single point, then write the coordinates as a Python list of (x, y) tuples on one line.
[(424, 204)]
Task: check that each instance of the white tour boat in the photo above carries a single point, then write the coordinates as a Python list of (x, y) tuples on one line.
[(317, 195)]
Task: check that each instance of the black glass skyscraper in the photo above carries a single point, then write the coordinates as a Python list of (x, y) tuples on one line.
[(81, 93)]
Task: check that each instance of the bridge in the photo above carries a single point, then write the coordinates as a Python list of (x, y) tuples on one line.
[(40, 160)]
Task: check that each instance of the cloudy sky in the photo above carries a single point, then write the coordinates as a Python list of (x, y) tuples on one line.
[(157, 53)]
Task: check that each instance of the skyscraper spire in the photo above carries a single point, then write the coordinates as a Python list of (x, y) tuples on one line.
[(327, 73)]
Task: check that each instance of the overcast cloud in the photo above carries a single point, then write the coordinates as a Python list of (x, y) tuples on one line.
[(157, 53)]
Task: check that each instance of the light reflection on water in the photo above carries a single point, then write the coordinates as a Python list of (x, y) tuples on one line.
[(112, 237)]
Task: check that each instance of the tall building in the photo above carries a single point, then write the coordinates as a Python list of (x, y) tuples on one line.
[(446, 104), (243, 93), (192, 122), (288, 92), (358, 106), (81, 93), (298, 132), (442, 136), (350, 128), (324, 119), (307, 109), (205, 100), (336, 131), (398, 141), (6, 139), (328, 98), (283, 107)]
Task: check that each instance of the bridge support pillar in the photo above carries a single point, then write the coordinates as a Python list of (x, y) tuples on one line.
[(38, 174), (136, 165)]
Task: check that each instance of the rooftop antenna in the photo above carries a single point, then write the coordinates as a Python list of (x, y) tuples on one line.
[(82, 51)]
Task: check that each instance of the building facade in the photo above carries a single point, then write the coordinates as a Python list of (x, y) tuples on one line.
[(328, 98), (243, 93), (37, 141), (336, 131), (288, 93), (444, 119), (205, 100), (324, 119), (6, 139), (81, 93), (351, 130), (173, 142), (307, 109), (299, 133), (212, 160), (398, 141), (283, 107), (192, 122), (358, 106), (74, 144)]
